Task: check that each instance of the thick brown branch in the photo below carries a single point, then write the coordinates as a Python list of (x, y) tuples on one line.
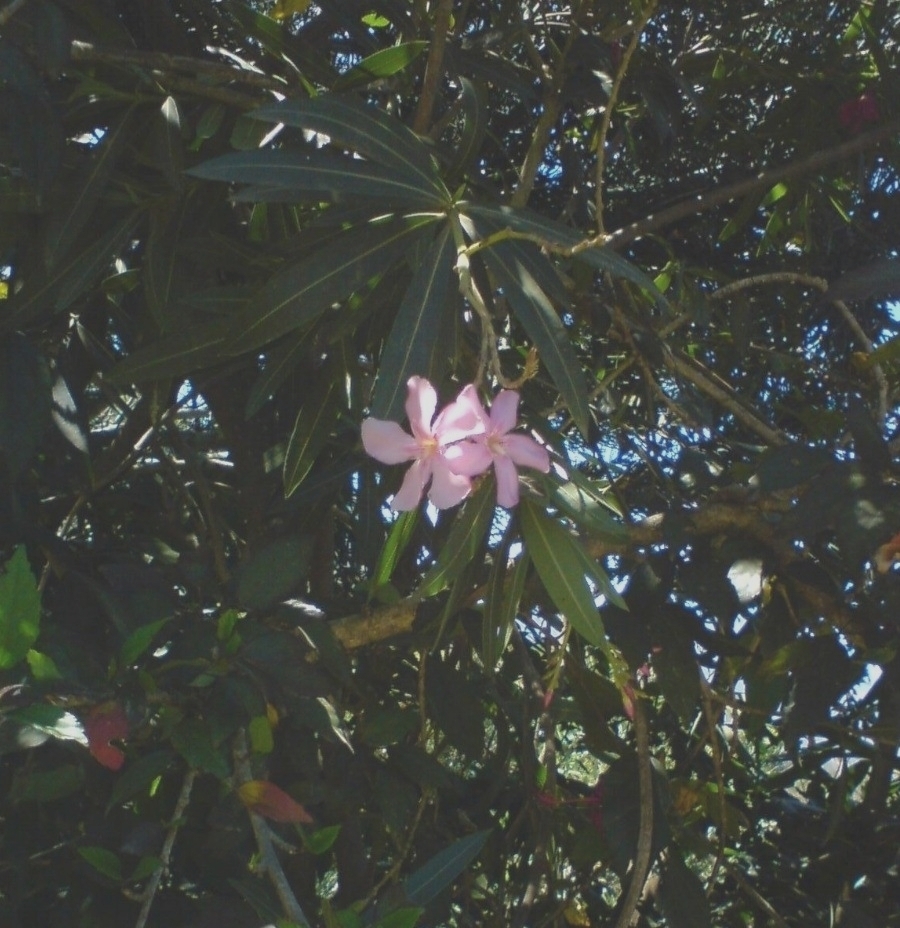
[(434, 67)]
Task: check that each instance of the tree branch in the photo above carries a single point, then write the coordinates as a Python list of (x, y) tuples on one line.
[(165, 855), (645, 829), (706, 201), (269, 862), (433, 68), (610, 106)]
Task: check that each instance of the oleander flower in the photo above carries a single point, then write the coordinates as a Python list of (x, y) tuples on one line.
[(497, 445), (387, 442)]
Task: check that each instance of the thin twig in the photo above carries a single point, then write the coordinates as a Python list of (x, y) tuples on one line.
[(611, 105), (550, 109), (433, 67), (165, 855), (755, 895), (269, 862), (718, 195), (645, 830), (712, 729)]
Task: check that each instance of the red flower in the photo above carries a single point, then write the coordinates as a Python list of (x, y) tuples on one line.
[(856, 114)]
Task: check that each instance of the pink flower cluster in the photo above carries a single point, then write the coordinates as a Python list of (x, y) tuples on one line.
[(462, 442)]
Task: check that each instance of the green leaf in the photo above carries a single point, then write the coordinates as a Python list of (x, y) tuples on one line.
[(560, 565), (103, 861), (260, 731), (587, 509), (681, 895), (475, 113), (69, 278), (415, 333), (174, 355), (321, 173), (512, 266), (400, 918), (301, 293), (279, 366), (319, 841), (88, 187), (167, 143), (26, 391), (139, 776), (380, 64), (273, 571), (395, 544), (145, 867), (20, 609), (504, 592), (546, 230), (47, 785), (431, 879), (138, 642), (163, 249), (312, 429), (193, 740), (364, 129), (42, 666), (463, 542)]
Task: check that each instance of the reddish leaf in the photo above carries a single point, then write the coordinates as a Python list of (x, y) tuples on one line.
[(854, 115), (264, 798), (887, 555), (105, 723)]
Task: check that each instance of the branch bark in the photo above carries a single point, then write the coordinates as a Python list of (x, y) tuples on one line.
[(434, 67), (706, 201)]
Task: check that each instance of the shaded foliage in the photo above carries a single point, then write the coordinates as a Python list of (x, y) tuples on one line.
[(235, 687)]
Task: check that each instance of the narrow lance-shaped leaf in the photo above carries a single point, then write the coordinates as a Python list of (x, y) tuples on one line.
[(321, 173), (303, 292), (398, 538), (463, 542), (363, 129), (540, 229), (279, 366), (89, 187), (505, 586), (416, 328), (163, 245), (69, 278), (311, 430), (429, 880), (533, 308), (561, 569), (174, 355)]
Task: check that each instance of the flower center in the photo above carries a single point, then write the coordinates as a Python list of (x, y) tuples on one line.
[(496, 444), (429, 447)]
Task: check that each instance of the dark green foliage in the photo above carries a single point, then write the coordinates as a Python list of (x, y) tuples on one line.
[(231, 231)]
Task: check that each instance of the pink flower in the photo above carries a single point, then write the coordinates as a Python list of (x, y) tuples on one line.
[(498, 447), (387, 442)]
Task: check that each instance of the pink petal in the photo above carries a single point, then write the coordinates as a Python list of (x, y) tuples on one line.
[(387, 442), (507, 481), (462, 418), (421, 402), (447, 489), (469, 458), (526, 452), (413, 485), (504, 411)]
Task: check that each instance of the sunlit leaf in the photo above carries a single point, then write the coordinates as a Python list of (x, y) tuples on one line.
[(20, 609), (361, 128), (415, 334), (560, 565), (381, 64)]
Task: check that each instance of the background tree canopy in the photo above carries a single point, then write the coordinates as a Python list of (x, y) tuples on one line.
[(236, 688)]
